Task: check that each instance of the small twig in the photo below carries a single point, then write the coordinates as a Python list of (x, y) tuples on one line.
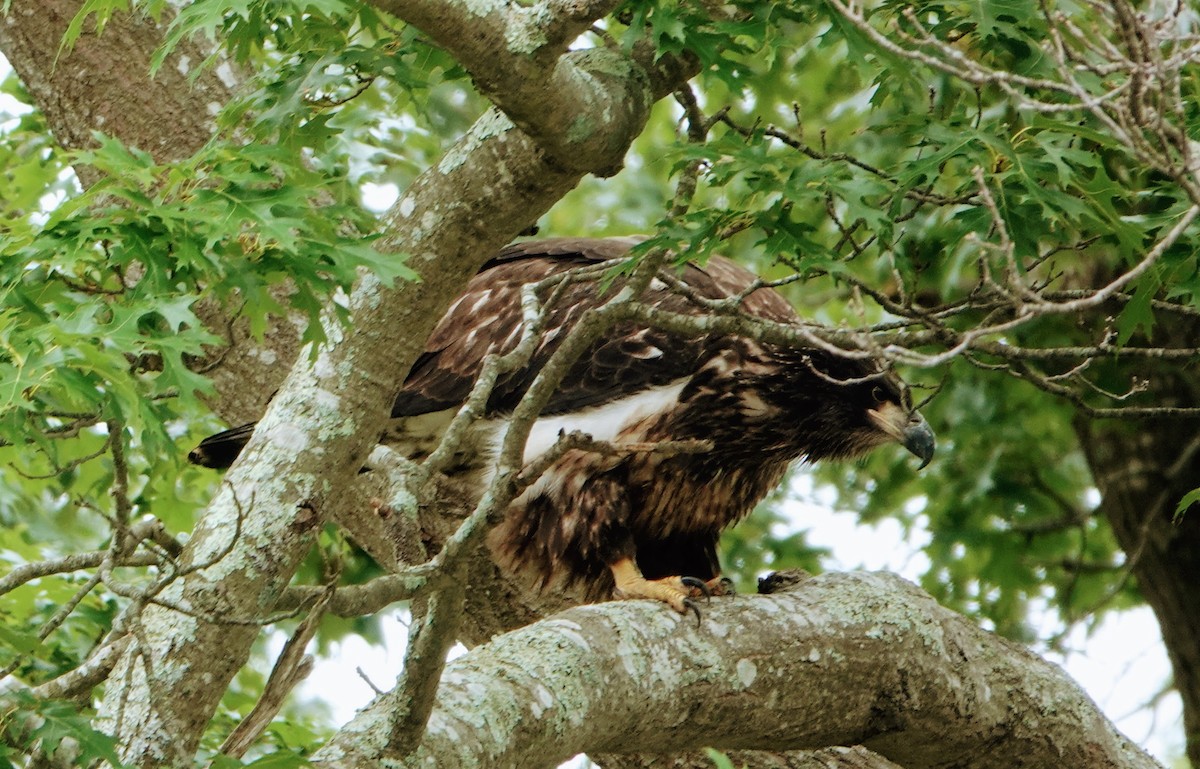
[(367, 680), (120, 484), (360, 600), (60, 469), (873, 377), (434, 630), (291, 667), (93, 672), (54, 623), (27, 572), (234, 535), (579, 441)]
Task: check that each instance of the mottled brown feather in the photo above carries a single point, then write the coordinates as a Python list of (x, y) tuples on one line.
[(622, 363), (761, 406)]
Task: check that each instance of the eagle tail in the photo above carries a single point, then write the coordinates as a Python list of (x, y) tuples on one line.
[(221, 449)]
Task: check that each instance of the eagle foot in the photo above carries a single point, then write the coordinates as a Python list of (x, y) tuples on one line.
[(721, 586), (672, 591), (677, 592), (717, 586), (697, 588)]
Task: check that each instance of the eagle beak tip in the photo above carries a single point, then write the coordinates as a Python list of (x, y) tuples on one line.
[(919, 439)]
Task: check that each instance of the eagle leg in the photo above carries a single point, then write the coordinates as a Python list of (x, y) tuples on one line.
[(676, 592)]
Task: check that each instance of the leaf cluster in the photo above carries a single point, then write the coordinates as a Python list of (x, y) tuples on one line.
[(31, 726), (860, 171)]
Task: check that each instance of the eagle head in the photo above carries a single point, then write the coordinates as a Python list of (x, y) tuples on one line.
[(842, 407), (890, 411)]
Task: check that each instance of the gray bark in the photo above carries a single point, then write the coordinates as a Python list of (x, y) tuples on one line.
[(103, 83), (827, 758), (840, 659)]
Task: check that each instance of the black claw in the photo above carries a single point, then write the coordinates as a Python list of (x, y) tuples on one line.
[(688, 603), (725, 586), (697, 584)]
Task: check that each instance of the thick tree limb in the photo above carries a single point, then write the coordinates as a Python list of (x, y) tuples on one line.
[(513, 52), (841, 659), (856, 757), (103, 83), (322, 423), (515, 55)]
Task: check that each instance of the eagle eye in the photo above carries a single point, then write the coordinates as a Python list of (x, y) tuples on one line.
[(877, 394)]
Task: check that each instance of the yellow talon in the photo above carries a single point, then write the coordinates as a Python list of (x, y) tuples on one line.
[(631, 584)]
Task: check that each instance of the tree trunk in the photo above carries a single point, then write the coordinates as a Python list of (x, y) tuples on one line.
[(1142, 469), (103, 83)]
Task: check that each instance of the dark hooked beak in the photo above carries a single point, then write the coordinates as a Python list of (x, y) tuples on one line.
[(918, 438), (909, 428)]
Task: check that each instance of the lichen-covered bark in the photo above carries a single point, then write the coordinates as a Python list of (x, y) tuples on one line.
[(103, 83), (841, 659), (320, 426), (856, 757), (522, 84)]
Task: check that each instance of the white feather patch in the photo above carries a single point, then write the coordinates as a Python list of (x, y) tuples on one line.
[(604, 422)]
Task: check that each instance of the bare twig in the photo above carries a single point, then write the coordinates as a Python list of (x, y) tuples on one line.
[(291, 667)]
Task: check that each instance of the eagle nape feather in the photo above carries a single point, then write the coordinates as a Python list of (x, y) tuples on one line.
[(636, 523)]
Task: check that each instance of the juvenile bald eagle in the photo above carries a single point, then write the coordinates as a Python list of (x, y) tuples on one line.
[(638, 524)]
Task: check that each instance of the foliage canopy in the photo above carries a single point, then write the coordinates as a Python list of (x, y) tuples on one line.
[(1010, 221)]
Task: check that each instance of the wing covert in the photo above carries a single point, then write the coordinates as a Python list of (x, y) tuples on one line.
[(487, 319)]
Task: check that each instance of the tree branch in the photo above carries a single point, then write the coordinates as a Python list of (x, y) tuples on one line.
[(324, 420), (856, 757), (517, 56), (841, 659)]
